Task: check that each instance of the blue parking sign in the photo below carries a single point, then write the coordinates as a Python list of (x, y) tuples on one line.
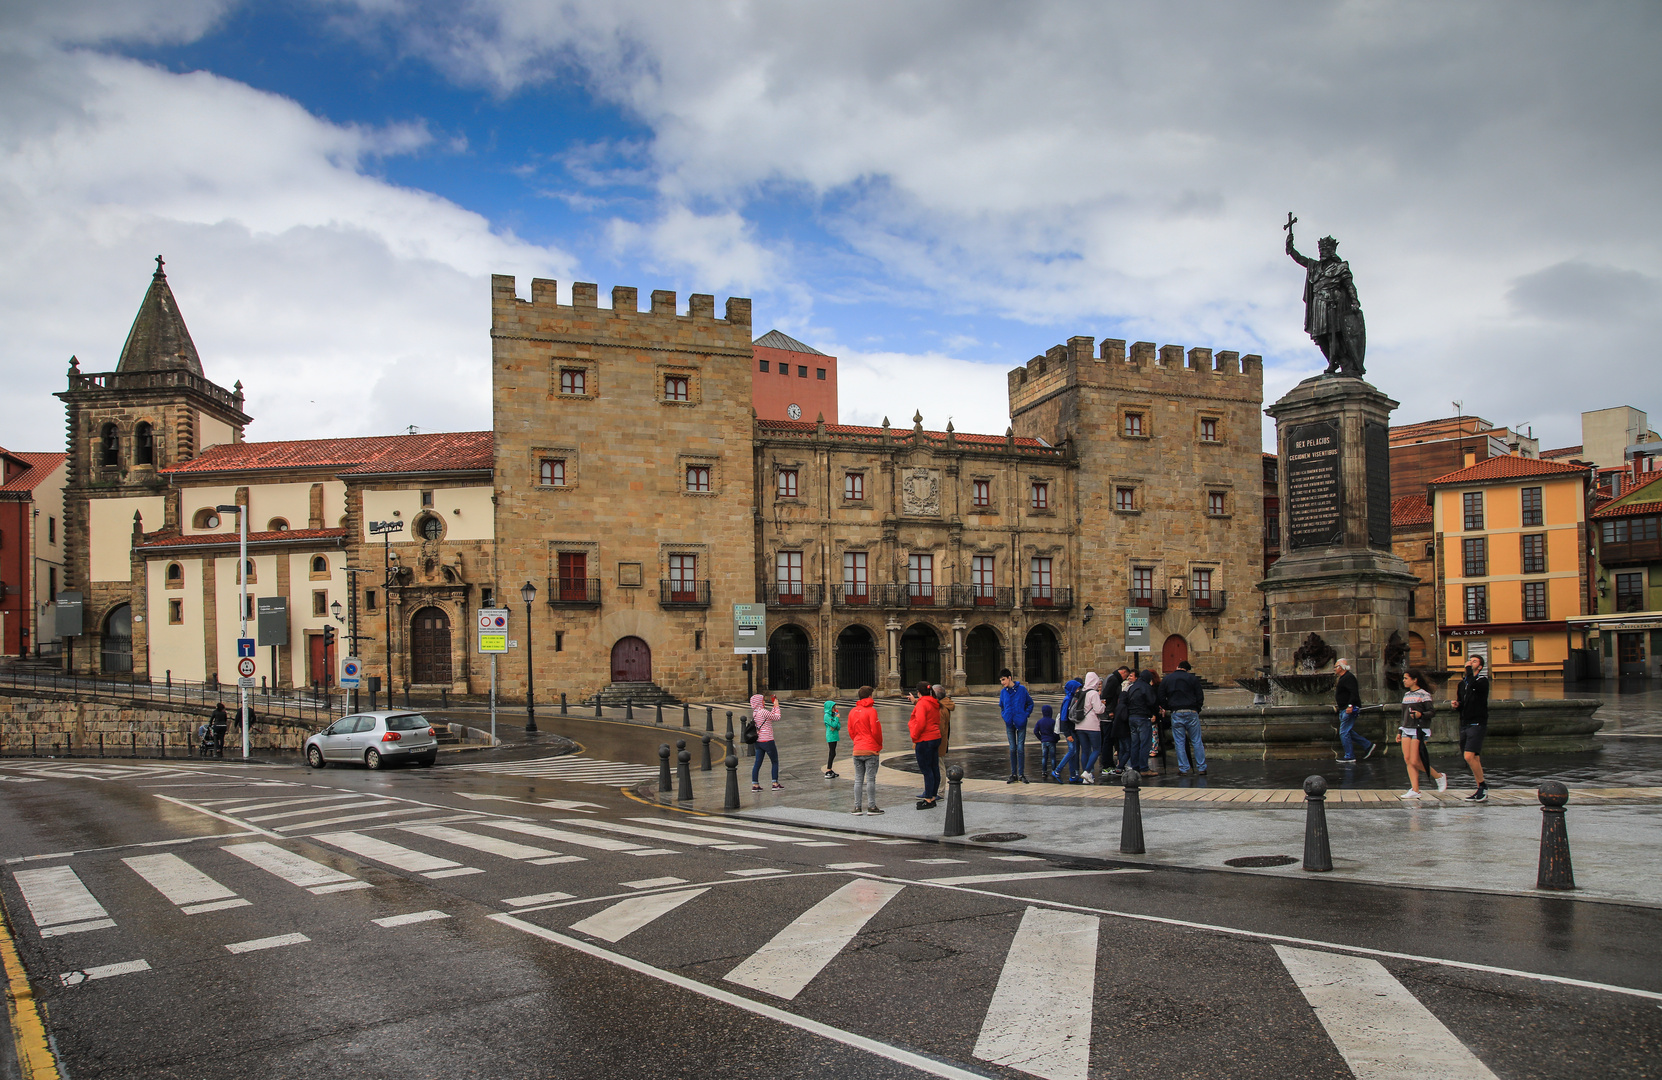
[(245, 647)]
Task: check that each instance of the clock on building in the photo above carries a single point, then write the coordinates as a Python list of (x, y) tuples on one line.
[(794, 411)]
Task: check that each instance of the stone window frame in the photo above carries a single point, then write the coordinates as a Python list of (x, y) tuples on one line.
[(1528, 650), (802, 549), (1217, 428), (699, 551), (1219, 497), (1154, 568), (251, 573), (685, 461), (199, 520), (864, 497), (176, 611), (550, 452), (588, 548), (1214, 584), (1126, 483), (418, 527), (169, 580), (800, 468), (991, 506), (277, 524), (695, 385), (320, 603), (1144, 410), (1048, 484), (787, 478), (313, 573), (591, 377)]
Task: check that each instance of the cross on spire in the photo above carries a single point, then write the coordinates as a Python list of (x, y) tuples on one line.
[(159, 264)]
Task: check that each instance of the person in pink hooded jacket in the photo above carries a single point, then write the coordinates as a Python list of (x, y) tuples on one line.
[(765, 718)]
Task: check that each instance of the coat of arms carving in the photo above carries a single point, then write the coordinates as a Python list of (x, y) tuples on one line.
[(920, 493)]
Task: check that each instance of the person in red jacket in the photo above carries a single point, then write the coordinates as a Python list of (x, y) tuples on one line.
[(925, 729), (865, 730)]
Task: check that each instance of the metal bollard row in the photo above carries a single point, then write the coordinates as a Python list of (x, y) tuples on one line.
[(663, 768), (954, 801)]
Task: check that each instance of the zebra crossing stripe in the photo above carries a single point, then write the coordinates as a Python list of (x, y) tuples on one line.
[(799, 952), (491, 845), (295, 869), (626, 916), (342, 820), (1050, 972), (603, 843), (691, 839), (107, 971), (188, 888), (1381, 1030), (399, 858), (59, 903), (746, 834)]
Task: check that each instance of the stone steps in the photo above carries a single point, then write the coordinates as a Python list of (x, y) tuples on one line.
[(643, 694)]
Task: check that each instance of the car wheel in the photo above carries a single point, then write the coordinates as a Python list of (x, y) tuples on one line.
[(427, 762), (372, 759), (314, 757)]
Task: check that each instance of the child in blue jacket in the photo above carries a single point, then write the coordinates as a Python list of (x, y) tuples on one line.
[(1045, 729)]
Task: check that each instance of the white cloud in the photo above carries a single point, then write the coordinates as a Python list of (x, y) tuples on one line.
[(875, 385)]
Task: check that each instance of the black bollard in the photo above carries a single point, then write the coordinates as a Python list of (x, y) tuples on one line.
[(686, 715), (683, 776), (1318, 853), (732, 800), (705, 765), (628, 708), (954, 801), (660, 717), (1554, 871), (729, 729), (663, 767), (597, 706), (709, 719), (1131, 824), (563, 711)]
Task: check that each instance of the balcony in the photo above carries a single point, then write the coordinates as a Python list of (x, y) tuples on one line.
[(1210, 602), (910, 596), (793, 595), (1628, 553), (982, 596), (1047, 598), (573, 592), (683, 594), (1153, 599), (853, 596)]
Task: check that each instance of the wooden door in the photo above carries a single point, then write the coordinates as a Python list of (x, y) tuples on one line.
[(631, 660), (317, 664), (430, 647), (1172, 653), (1630, 654)]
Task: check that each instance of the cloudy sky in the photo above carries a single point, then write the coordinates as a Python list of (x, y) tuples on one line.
[(933, 192)]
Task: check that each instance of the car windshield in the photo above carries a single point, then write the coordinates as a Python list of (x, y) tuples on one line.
[(407, 722)]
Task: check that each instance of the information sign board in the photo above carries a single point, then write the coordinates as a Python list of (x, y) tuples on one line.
[(750, 630), (493, 630)]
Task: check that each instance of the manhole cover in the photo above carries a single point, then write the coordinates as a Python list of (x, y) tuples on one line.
[(1261, 860), (998, 837)]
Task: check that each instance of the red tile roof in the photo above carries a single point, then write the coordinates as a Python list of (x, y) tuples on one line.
[(1651, 504), (281, 536), (40, 467), (451, 451), (866, 434), (1507, 468), (1410, 510), (1562, 451)]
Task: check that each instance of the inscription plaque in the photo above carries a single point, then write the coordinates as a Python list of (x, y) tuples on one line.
[(1376, 444), (1315, 515)]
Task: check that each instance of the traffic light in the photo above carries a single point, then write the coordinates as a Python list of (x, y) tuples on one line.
[(328, 638)]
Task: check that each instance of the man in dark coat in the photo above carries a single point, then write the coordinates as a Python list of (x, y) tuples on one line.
[(1347, 702), (1182, 697), (1471, 700), (1142, 704)]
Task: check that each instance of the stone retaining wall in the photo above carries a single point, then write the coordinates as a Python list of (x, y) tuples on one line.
[(1296, 731), (46, 726)]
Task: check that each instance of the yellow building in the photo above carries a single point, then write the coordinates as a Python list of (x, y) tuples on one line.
[(1511, 551)]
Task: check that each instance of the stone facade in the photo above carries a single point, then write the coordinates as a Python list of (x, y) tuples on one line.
[(623, 459), (1168, 511)]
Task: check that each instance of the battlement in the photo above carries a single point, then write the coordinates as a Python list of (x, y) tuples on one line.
[(1141, 367), (507, 307)]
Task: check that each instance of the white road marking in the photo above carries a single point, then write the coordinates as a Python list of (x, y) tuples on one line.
[(568, 767), (937, 862), (799, 952), (59, 903), (758, 872), (491, 845), (193, 891), (353, 817), (727, 997), (130, 967), (1382, 1031), (412, 917), (851, 865), (558, 859), (401, 858), (896, 841), (229, 805), (743, 834), (626, 916), (1031, 875), (602, 843), (460, 871), (1050, 972), (266, 943), (240, 810), (654, 851), (650, 834), (295, 869), (1016, 858), (539, 898), (238, 822), (653, 882), (29, 780), (556, 804)]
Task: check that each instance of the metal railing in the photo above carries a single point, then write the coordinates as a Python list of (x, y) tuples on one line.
[(305, 705), (983, 596), (854, 596), (1047, 597), (683, 594), (1153, 599), (574, 592), (1207, 603), (792, 595)]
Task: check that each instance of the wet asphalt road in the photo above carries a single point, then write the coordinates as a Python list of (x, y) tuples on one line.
[(646, 963)]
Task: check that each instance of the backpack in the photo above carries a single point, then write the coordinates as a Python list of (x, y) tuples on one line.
[(1076, 708), (749, 732)]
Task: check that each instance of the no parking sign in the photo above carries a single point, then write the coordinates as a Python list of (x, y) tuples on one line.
[(351, 670), (493, 630)]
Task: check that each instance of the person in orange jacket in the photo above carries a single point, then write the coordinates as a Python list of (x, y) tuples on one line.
[(865, 730), (925, 729)]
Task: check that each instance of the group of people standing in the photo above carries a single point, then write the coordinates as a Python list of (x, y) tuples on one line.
[(1110, 723)]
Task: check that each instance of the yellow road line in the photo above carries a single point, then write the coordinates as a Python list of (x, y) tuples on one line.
[(34, 1055)]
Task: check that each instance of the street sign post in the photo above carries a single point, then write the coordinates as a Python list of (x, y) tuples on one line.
[(351, 672), (750, 630), (493, 641), (245, 667), (1136, 630), (245, 647)]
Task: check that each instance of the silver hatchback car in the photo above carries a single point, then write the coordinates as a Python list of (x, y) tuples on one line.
[(377, 739)]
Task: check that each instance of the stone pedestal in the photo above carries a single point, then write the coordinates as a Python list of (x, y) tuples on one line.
[(1338, 577)]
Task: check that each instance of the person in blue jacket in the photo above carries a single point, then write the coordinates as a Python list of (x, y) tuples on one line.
[(1015, 704), (1045, 729)]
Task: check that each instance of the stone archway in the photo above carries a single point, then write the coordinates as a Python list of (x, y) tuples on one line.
[(983, 656), (1172, 653), (430, 647), (920, 656), (1043, 656), (856, 658), (631, 660), (790, 660), (117, 644)]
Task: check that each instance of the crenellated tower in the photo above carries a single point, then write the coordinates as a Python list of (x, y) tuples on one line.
[(156, 409)]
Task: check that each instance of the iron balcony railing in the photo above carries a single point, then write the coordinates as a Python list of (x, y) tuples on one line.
[(573, 592), (1153, 599), (1050, 597), (679, 593), (847, 596), (793, 595), (983, 596), (900, 596), (1209, 602)]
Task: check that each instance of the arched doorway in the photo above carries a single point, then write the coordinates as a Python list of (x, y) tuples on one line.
[(631, 660), (1172, 653), (983, 656), (118, 640), (788, 660), (856, 658), (430, 646), (920, 655), (1044, 656)]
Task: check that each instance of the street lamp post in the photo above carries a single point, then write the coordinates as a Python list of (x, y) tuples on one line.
[(334, 609), (528, 593), (242, 611), (385, 529)]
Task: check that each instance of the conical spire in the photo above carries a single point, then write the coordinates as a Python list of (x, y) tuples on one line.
[(158, 340)]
